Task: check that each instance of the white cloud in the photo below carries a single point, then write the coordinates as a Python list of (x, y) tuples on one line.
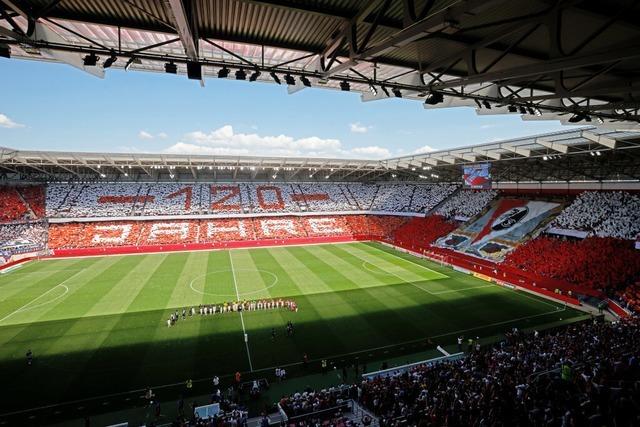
[(6, 122), (372, 151), (358, 127), (144, 135), (424, 149), (225, 141)]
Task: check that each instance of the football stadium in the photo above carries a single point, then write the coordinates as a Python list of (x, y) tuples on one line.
[(237, 279)]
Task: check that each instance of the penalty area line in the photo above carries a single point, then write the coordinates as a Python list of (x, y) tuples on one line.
[(41, 295), (244, 330), (26, 306)]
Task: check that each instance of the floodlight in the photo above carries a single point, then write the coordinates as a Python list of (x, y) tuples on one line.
[(5, 51), (434, 98), (275, 77), (305, 81), (241, 75), (194, 70), (170, 68), (90, 60), (289, 79), (223, 73), (345, 86), (254, 76), (110, 60)]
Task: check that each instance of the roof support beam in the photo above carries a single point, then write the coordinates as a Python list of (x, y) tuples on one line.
[(437, 21), (348, 33), (464, 156), (555, 146), (617, 53), (517, 150), (488, 153), (17, 9), (185, 31), (600, 139)]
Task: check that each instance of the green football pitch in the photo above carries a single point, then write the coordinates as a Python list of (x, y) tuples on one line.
[(97, 325)]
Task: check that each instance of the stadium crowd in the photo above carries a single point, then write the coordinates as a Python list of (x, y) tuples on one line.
[(17, 238), (313, 401), (601, 263), (153, 199), (629, 298), (466, 203), (132, 233), (582, 375), (418, 233), (20, 204), (410, 198), (603, 214)]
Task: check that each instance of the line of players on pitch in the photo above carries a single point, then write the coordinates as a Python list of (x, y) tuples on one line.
[(235, 306)]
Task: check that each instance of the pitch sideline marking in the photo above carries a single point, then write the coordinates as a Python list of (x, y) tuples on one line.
[(36, 298), (444, 276), (386, 273), (436, 293), (381, 271), (462, 289), (244, 331), (394, 274)]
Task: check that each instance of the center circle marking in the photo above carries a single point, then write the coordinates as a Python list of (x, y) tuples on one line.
[(234, 271)]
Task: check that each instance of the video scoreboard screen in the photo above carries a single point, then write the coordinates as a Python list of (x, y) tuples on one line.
[(477, 176)]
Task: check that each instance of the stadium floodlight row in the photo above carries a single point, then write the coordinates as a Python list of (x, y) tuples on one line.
[(499, 59)]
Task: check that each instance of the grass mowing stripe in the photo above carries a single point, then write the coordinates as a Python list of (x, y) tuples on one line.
[(413, 259), (341, 303), (259, 324), (349, 264), (244, 330), (427, 309), (128, 330), (360, 301), (400, 294), (476, 306), (12, 299), (312, 310), (37, 298), (76, 337), (402, 279), (121, 286)]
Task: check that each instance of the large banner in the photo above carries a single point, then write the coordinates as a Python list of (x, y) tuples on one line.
[(477, 176), (506, 225)]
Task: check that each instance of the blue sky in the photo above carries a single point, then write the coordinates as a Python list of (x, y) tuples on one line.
[(56, 107)]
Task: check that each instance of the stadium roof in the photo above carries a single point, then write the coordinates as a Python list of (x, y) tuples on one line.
[(583, 154), (575, 61)]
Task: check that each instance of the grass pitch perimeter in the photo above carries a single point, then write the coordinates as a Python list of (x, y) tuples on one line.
[(98, 325)]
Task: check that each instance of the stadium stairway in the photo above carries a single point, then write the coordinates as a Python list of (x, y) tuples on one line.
[(359, 412)]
